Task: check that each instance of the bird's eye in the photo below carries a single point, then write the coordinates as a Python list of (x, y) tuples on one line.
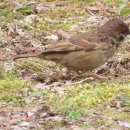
[(125, 29), (121, 37)]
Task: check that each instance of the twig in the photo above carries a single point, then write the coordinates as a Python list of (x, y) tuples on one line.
[(90, 12), (80, 82)]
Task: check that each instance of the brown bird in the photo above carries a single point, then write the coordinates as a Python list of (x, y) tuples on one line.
[(88, 50)]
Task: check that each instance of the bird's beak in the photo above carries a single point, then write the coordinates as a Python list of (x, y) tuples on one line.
[(128, 32)]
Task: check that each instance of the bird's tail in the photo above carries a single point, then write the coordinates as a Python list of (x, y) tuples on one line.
[(25, 56)]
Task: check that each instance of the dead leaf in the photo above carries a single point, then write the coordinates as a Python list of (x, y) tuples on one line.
[(44, 111)]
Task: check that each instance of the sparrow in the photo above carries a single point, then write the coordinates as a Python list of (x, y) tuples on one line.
[(86, 51)]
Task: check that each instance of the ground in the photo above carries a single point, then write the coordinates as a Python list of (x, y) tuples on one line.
[(38, 94)]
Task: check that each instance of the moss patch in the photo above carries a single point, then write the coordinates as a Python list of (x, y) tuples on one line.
[(9, 87)]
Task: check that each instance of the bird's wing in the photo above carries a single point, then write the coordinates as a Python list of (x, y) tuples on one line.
[(91, 40), (85, 42), (62, 47)]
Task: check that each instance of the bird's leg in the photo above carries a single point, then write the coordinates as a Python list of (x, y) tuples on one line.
[(89, 76), (94, 75), (80, 75), (102, 70)]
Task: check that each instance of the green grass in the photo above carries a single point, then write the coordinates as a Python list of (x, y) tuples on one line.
[(10, 86), (77, 99)]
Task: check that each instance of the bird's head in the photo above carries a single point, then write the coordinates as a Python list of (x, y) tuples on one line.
[(115, 28)]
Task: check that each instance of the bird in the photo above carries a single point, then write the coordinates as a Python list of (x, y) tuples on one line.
[(86, 51)]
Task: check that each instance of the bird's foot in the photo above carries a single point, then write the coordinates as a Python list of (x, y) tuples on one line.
[(97, 76)]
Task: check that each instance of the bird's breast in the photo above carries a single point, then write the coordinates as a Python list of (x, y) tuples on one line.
[(84, 61)]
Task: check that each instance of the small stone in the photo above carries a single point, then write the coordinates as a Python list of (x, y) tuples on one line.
[(124, 124), (52, 37), (29, 113)]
